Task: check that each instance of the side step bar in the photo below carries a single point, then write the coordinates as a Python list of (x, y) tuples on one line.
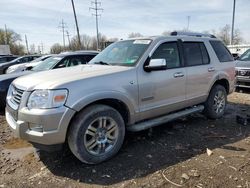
[(164, 119)]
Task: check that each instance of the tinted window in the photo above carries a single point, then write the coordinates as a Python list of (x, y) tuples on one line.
[(221, 51), (89, 57), (245, 56), (3, 59), (195, 53), (169, 52)]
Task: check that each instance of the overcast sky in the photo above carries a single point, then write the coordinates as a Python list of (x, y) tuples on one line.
[(39, 19)]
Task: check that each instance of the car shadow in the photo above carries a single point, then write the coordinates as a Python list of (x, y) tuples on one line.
[(148, 151), (243, 90)]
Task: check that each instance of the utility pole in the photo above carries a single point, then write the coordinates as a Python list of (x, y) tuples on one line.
[(62, 26), (67, 34), (77, 28), (6, 35), (42, 47), (232, 32), (96, 10), (188, 22), (27, 46)]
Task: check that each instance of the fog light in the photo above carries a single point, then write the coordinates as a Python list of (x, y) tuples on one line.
[(35, 127)]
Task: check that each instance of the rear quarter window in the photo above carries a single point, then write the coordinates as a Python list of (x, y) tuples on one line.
[(221, 51)]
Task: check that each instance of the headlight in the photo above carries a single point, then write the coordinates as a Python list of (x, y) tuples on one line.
[(44, 99), (10, 70)]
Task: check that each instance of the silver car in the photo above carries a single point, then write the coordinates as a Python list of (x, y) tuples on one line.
[(243, 70), (132, 85)]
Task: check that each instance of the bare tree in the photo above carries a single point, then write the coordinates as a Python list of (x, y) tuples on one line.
[(134, 35), (166, 33), (56, 49), (224, 35)]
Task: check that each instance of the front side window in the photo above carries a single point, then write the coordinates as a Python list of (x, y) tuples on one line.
[(245, 56), (122, 53), (221, 51), (195, 53), (169, 52)]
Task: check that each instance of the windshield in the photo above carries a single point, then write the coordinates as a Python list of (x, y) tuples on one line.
[(40, 59), (47, 64), (123, 53), (245, 56)]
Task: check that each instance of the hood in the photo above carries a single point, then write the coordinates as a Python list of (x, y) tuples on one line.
[(242, 64), (4, 77), (17, 65), (55, 78)]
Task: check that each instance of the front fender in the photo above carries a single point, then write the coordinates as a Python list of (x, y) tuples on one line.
[(93, 97)]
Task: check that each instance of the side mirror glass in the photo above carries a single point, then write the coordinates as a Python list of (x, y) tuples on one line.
[(156, 65)]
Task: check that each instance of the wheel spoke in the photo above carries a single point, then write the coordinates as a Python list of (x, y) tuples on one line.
[(89, 132), (102, 122), (91, 144)]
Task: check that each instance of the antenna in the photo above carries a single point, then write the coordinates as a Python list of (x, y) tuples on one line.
[(96, 9)]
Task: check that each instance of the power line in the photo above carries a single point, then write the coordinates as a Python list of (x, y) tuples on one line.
[(77, 28), (96, 9), (62, 25), (232, 32)]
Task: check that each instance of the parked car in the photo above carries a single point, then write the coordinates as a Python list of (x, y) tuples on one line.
[(29, 65), (7, 58), (23, 59), (243, 70), (133, 84), (54, 62)]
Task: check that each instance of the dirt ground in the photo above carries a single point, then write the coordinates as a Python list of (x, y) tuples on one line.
[(190, 152)]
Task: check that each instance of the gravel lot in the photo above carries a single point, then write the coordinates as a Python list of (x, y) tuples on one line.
[(190, 152)]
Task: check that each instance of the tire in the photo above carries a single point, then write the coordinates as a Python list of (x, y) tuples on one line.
[(2, 104), (213, 109), (96, 134)]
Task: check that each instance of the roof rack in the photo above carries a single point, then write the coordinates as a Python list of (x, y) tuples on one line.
[(177, 33)]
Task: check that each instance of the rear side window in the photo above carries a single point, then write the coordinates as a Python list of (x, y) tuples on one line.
[(195, 53), (221, 51)]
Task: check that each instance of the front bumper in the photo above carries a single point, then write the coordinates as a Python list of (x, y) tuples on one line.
[(46, 127), (243, 82)]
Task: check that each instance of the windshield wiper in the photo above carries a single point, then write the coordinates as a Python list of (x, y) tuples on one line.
[(101, 63)]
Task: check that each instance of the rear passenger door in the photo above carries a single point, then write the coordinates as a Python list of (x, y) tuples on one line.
[(199, 71)]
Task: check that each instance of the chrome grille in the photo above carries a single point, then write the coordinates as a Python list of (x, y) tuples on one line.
[(16, 95)]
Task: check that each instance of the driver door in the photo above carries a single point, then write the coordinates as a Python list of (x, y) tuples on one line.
[(163, 91)]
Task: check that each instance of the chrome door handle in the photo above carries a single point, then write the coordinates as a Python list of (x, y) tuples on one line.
[(211, 69), (178, 74)]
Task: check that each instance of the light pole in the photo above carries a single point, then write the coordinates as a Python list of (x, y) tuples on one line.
[(77, 28), (232, 32)]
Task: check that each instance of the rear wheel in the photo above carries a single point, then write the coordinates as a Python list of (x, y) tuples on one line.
[(216, 103), (96, 134)]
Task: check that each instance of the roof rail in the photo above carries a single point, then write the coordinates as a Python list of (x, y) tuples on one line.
[(177, 33)]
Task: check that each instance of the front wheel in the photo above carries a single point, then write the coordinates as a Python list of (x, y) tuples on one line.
[(96, 134), (216, 103)]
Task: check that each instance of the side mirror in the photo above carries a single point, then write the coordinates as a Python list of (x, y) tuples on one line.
[(61, 66), (156, 65)]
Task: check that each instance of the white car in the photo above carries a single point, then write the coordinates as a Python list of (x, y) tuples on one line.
[(26, 66)]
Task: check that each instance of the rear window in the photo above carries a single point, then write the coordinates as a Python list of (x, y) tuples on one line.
[(221, 51), (196, 53)]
